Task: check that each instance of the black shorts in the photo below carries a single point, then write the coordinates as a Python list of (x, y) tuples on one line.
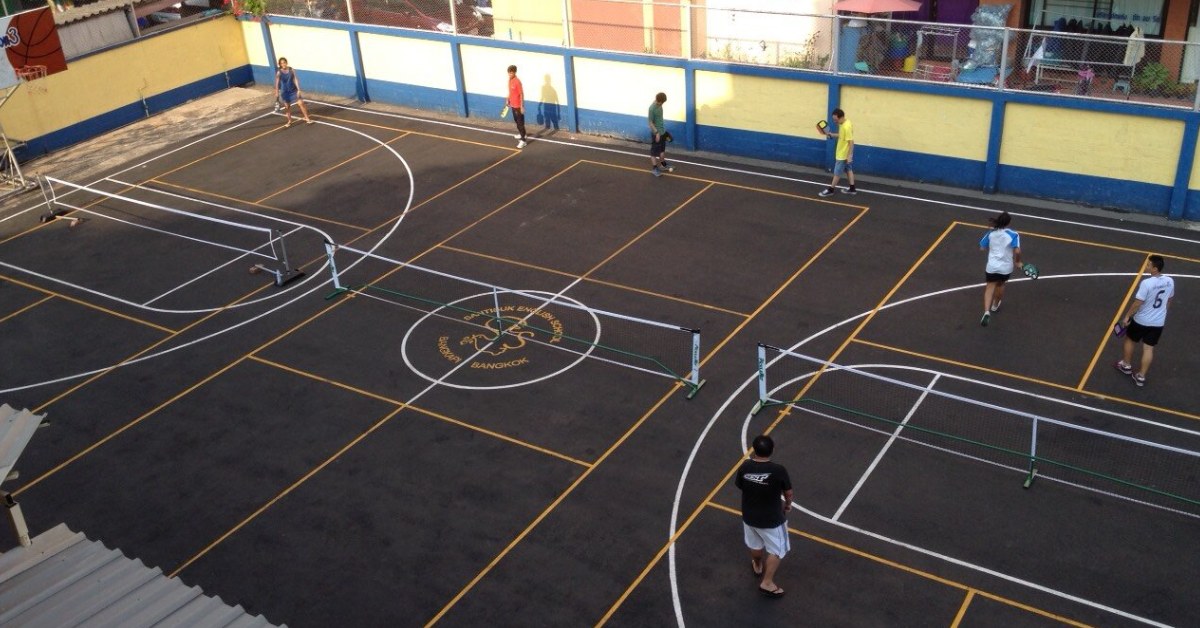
[(659, 147), (1141, 333), (996, 277)]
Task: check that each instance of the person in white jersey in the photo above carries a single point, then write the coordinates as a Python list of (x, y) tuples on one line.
[(1003, 246), (1145, 319)]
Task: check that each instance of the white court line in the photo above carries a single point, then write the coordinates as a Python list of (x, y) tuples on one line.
[(765, 175), (752, 381), (319, 286), (241, 257), (883, 451)]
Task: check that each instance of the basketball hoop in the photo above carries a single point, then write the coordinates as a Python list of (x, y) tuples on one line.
[(31, 73)]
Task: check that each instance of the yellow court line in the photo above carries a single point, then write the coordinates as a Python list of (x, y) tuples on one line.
[(732, 470), (728, 338), (423, 134), (1099, 245), (799, 197), (603, 457), (88, 305), (553, 505), (321, 173), (284, 493), (962, 610), (429, 413), (261, 205), (602, 282), (305, 322), (975, 367), (214, 154), (141, 418), (1104, 337), (915, 571), (647, 230), (26, 308)]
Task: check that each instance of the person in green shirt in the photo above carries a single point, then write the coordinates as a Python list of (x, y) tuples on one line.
[(658, 137), (844, 154)]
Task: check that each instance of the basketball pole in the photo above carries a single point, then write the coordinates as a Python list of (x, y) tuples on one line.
[(12, 180)]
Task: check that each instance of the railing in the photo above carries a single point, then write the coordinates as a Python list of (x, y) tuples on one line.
[(1116, 67)]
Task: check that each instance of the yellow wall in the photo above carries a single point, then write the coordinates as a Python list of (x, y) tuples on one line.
[(628, 88), (922, 123), (1194, 181), (313, 49), (485, 71), (409, 61), (256, 48), (99, 83), (753, 103), (1091, 143)]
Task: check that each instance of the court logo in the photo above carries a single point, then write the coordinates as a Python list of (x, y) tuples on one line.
[(505, 333)]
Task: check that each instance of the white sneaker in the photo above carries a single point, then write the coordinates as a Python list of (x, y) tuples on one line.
[(517, 136), (996, 306), (521, 144)]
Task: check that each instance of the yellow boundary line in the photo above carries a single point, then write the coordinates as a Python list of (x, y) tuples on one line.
[(728, 474), (962, 610), (320, 173), (1091, 243), (263, 206), (739, 186), (122, 429), (87, 304), (1023, 378), (971, 591), (31, 306), (426, 412), (1104, 337), (610, 284)]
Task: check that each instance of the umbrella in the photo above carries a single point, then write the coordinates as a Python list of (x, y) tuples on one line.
[(877, 6)]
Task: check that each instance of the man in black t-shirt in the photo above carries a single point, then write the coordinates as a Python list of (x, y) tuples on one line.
[(766, 500)]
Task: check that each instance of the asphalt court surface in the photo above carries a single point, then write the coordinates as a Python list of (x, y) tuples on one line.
[(385, 456)]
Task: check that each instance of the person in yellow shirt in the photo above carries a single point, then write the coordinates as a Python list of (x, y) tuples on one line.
[(843, 156)]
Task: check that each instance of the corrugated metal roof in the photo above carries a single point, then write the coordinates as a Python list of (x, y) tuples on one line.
[(63, 579), (76, 13)]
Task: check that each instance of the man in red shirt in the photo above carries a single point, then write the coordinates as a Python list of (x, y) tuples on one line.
[(516, 102)]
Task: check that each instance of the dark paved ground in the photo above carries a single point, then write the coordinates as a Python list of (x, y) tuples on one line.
[(358, 459)]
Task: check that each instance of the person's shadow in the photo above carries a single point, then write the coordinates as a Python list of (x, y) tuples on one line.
[(548, 114)]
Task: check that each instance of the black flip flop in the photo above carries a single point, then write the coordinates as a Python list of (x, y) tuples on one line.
[(777, 593)]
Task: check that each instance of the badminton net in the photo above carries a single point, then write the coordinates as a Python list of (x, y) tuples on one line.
[(1149, 463), (208, 224), (552, 320)]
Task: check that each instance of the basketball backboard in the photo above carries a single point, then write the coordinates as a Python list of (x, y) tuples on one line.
[(29, 38)]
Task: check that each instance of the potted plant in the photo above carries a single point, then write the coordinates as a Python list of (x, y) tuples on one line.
[(1152, 78)]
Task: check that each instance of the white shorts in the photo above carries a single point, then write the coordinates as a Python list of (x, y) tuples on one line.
[(774, 540)]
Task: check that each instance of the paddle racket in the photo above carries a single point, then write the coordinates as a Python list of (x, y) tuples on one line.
[(504, 112), (821, 126), (1119, 330), (1030, 271)]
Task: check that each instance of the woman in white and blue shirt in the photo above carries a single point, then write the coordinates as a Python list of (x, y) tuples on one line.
[(1003, 246)]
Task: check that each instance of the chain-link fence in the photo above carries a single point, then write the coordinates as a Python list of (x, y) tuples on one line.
[(1114, 64)]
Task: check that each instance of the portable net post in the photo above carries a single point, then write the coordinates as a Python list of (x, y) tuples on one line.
[(53, 210), (287, 274), (338, 288), (1032, 475)]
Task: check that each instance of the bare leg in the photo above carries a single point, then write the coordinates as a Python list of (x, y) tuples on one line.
[(989, 290), (303, 109), (756, 556), (833, 184), (1147, 358), (999, 294), (287, 110), (850, 178), (769, 566), (1127, 354)]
